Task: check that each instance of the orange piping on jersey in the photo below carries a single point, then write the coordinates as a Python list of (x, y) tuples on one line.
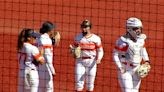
[(47, 46), (121, 49)]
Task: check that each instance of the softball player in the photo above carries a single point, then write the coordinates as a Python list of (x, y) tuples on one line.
[(27, 52), (91, 55), (128, 54), (46, 71)]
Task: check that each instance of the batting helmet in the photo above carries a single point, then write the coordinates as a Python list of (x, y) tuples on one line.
[(86, 23), (134, 22), (46, 27)]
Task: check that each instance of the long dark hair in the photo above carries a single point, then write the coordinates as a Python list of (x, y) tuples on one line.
[(23, 37)]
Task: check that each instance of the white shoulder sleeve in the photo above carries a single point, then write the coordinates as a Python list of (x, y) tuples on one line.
[(119, 46)]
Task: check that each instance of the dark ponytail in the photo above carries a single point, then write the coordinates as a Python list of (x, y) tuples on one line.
[(20, 40), (23, 37)]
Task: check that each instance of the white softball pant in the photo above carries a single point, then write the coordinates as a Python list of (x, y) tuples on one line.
[(129, 81), (85, 69), (45, 79), (28, 80)]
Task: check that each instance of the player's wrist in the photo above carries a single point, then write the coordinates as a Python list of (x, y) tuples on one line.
[(148, 62), (98, 61)]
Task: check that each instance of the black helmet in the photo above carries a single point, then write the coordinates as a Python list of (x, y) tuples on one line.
[(46, 27), (86, 23)]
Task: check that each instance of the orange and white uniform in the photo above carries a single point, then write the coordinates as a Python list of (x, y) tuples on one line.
[(129, 54), (46, 70), (28, 73), (91, 50)]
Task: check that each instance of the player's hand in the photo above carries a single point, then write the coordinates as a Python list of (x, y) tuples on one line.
[(98, 61), (122, 70), (54, 73), (41, 60)]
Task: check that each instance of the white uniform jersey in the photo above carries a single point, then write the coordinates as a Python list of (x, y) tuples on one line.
[(27, 54), (129, 51), (46, 43), (91, 51), (46, 70), (90, 46)]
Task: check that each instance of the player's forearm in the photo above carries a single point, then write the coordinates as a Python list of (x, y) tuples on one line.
[(100, 53), (145, 55)]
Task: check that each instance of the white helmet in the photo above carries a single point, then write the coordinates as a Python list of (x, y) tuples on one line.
[(134, 22)]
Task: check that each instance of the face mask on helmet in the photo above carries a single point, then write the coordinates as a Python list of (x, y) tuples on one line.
[(132, 35), (134, 25)]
